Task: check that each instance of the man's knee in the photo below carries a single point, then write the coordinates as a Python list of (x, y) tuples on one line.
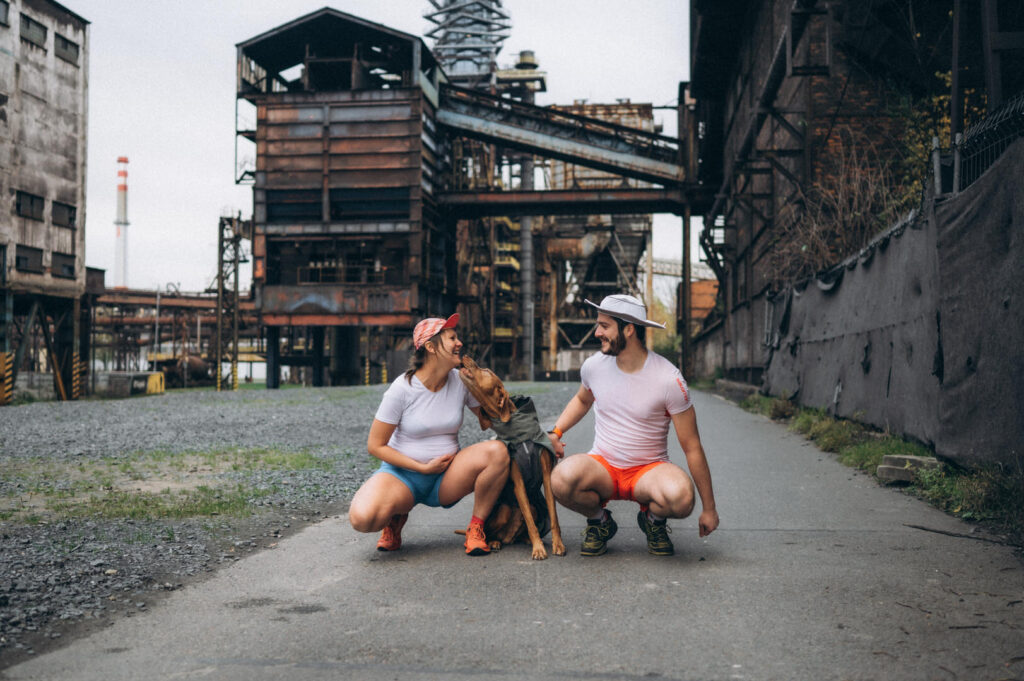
[(563, 482), (679, 500)]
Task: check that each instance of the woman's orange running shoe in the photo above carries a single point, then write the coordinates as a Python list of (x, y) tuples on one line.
[(391, 537), (476, 540)]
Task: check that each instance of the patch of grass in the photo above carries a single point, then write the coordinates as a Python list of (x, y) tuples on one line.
[(832, 435), (867, 455), (985, 493), (805, 419), (199, 502), (781, 408), (757, 403), (775, 408)]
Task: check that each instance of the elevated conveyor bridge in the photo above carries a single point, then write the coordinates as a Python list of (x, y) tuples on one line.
[(562, 135)]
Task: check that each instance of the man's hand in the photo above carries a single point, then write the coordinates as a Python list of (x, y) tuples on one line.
[(438, 465), (708, 522), (557, 444)]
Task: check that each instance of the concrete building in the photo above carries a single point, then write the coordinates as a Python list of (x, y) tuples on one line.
[(44, 59)]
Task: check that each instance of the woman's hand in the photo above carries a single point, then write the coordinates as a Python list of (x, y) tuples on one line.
[(438, 465)]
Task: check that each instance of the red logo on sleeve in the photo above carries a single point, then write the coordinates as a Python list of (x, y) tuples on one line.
[(683, 389)]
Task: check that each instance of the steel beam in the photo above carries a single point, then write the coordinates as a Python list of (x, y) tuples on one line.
[(563, 202)]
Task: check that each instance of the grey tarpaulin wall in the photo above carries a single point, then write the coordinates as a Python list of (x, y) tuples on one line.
[(922, 332)]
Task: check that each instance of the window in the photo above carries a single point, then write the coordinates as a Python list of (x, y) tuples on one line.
[(64, 214), (4, 10), (28, 259), (295, 205), (65, 49), (63, 266), (33, 31), (29, 205)]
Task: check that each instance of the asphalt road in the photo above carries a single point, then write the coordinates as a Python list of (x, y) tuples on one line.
[(813, 574)]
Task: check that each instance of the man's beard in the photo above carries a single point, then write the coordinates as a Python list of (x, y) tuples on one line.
[(615, 346)]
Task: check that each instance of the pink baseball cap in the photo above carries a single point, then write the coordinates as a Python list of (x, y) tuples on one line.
[(430, 327)]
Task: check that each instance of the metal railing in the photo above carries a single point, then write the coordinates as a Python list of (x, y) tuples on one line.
[(978, 148)]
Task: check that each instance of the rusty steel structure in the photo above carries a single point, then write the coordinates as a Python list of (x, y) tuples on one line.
[(230, 234), (784, 88), (591, 255), (346, 234), (170, 331), (43, 123), (375, 184)]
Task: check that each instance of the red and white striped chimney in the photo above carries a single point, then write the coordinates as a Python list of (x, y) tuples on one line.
[(121, 248)]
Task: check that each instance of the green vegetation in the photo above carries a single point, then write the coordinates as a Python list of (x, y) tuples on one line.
[(201, 501), (986, 493), (153, 484)]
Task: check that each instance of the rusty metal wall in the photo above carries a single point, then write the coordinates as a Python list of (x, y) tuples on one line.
[(349, 176)]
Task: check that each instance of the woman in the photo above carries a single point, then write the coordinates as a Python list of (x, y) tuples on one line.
[(415, 435)]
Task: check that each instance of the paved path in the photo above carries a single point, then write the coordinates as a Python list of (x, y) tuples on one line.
[(814, 574)]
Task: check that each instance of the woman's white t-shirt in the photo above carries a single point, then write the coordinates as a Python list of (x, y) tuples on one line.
[(428, 422)]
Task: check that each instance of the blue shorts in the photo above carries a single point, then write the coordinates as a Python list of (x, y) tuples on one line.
[(424, 487)]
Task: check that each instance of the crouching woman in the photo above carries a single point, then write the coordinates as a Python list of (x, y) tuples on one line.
[(415, 435)]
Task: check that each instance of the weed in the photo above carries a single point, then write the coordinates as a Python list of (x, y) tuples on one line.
[(202, 501), (867, 455), (806, 418), (984, 493), (781, 408), (759, 404), (834, 435)]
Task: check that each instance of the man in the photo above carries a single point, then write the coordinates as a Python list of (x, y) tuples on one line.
[(636, 394)]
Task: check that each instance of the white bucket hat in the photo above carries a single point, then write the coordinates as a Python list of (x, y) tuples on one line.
[(627, 308)]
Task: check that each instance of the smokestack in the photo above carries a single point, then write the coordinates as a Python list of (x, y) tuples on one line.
[(121, 249)]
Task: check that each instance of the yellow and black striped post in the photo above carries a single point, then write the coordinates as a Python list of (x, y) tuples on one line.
[(6, 377), (76, 376)]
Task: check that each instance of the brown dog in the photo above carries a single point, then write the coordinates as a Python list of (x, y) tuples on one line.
[(514, 420)]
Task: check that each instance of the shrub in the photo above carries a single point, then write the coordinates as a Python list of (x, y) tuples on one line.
[(781, 408)]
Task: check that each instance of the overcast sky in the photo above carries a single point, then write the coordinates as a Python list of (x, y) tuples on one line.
[(162, 93)]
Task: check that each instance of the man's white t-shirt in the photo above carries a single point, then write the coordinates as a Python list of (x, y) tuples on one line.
[(428, 422), (632, 412)]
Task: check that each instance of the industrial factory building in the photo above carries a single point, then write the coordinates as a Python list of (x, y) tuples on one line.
[(374, 187), (43, 114)]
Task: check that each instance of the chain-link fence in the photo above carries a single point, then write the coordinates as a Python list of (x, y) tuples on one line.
[(986, 140)]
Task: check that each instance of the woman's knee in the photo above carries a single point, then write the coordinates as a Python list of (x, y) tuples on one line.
[(361, 519), (495, 454)]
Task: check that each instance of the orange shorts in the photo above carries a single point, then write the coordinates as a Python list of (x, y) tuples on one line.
[(624, 479)]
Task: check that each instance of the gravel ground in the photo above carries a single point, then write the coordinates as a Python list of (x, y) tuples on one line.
[(61, 575)]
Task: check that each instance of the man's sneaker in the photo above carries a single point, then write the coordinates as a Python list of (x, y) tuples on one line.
[(658, 542), (597, 534), (476, 540), (391, 537)]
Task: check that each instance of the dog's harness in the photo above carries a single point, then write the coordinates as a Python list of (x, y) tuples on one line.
[(523, 437)]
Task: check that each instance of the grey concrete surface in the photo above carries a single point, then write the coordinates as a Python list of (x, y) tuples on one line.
[(813, 574)]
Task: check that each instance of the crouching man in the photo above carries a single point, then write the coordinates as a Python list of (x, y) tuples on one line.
[(635, 394)]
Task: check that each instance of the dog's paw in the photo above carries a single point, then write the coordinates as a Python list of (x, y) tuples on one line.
[(495, 545), (558, 548), (539, 553)]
